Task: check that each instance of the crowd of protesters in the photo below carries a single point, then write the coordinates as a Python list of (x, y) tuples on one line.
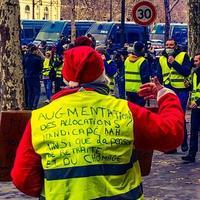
[(127, 69)]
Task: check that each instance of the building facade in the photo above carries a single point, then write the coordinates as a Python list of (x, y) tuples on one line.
[(40, 9)]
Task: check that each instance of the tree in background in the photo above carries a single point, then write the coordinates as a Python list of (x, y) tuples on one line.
[(194, 27), (100, 10), (168, 10), (11, 71), (73, 18)]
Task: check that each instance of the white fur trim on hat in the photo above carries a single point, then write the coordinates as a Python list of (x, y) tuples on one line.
[(73, 84)]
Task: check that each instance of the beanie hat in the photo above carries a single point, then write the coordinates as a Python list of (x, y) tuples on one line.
[(82, 41), (138, 46), (82, 65)]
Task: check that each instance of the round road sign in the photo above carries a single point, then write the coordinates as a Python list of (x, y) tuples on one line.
[(144, 13)]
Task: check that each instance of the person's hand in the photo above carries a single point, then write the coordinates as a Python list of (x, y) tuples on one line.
[(193, 105), (150, 90), (171, 59)]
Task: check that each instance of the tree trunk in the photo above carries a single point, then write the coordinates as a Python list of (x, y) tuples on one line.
[(167, 20), (11, 71), (194, 27), (73, 17)]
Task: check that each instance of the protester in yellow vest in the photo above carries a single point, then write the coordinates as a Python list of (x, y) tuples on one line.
[(81, 146), (57, 63), (45, 72), (137, 72), (195, 114), (174, 68)]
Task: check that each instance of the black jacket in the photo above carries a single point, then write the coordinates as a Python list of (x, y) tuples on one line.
[(33, 65)]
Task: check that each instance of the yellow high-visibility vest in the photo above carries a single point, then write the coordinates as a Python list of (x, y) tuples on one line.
[(173, 77), (59, 71), (86, 144), (165, 70), (196, 89), (132, 75), (46, 67)]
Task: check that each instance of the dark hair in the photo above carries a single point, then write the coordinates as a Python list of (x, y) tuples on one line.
[(171, 39), (197, 54), (33, 48), (43, 42), (89, 35), (138, 46)]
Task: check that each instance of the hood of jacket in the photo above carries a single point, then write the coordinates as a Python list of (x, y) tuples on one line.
[(133, 58)]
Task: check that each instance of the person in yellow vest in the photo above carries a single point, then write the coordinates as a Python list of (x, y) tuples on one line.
[(82, 145), (57, 63), (173, 69), (195, 114), (137, 72), (45, 72)]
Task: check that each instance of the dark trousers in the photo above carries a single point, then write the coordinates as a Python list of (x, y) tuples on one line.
[(33, 92), (195, 124), (58, 84), (135, 98), (183, 96)]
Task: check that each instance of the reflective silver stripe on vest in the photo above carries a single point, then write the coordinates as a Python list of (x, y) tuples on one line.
[(90, 170)]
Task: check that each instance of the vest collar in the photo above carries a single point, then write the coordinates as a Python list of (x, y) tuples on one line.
[(98, 87)]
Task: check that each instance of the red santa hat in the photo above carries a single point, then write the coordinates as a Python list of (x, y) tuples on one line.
[(82, 65)]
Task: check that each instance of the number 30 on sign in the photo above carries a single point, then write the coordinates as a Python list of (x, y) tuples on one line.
[(144, 13)]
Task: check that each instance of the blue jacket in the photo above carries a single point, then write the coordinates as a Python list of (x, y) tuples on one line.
[(110, 68)]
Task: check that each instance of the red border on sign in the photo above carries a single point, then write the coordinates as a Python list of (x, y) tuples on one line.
[(144, 3)]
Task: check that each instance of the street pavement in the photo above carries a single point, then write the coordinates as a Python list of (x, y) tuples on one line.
[(170, 178)]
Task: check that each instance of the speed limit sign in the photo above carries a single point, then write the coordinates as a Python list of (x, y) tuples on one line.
[(144, 13)]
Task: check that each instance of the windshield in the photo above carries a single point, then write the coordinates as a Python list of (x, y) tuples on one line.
[(159, 29), (100, 31), (100, 38), (45, 36)]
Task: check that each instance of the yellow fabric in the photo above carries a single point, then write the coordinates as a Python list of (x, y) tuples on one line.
[(133, 58), (173, 77), (46, 67), (132, 74), (59, 71), (165, 70), (64, 134), (111, 85), (196, 89)]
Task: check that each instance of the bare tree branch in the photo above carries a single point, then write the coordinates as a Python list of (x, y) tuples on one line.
[(174, 4)]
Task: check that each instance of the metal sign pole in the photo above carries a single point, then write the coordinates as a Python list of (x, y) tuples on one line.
[(122, 22)]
